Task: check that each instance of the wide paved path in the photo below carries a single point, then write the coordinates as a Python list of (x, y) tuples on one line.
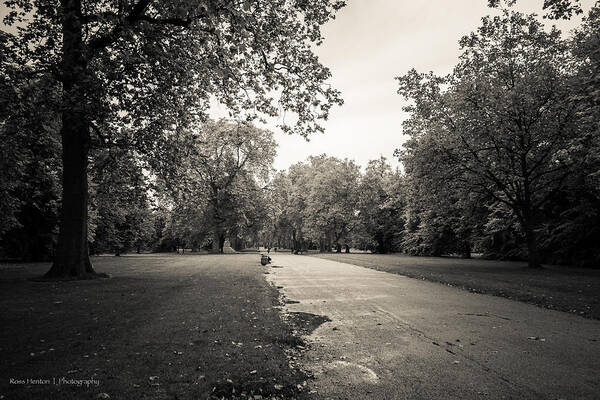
[(392, 337)]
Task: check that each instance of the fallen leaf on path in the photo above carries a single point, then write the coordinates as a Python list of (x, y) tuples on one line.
[(536, 338)]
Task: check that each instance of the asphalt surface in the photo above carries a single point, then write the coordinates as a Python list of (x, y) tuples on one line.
[(393, 337)]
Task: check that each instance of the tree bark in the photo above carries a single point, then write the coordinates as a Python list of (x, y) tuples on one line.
[(221, 242), (380, 247), (216, 245), (72, 252), (294, 245)]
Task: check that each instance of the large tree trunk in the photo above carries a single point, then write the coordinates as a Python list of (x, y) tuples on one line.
[(72, 253)]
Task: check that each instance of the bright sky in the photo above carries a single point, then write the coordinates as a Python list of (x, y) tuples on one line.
[(366, 46)]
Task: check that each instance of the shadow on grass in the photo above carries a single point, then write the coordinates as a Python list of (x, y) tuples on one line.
[(162, 328)]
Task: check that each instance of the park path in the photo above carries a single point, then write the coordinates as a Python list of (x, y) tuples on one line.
[(393, 337)]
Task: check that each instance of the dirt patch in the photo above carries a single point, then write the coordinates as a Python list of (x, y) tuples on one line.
[(305, 323), (576, 291)]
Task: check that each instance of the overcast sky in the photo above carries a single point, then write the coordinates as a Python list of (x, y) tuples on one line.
[(366, 46)]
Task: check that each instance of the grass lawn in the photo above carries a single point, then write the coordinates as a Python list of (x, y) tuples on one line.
[(162, 327), (564, 289)]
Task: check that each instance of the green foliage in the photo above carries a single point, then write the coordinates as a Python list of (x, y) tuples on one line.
[(137, 73), (152, 66), (213, 190), (555, 9), (327, 203), (381, 198), (498, 143), (330, 207), (29, 161), (120, 215)]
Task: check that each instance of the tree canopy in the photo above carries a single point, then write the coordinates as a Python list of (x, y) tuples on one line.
[(505, 126), (502, 157), (136, 72)]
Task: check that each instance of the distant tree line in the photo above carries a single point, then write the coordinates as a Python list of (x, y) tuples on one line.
[(327, 204), (503, 159)]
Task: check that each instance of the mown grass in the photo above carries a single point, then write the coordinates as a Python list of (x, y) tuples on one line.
[(162, 327)]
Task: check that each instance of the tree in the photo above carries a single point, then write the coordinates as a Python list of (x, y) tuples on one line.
[(555, 9), (293, 192), (331, 201), (503, 119), (152, 66), (120, 215), (572, 229), (228, 161), (442, 215), (217, 183), (380, 207), (29, 161), (316, 203), (286, 220)]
